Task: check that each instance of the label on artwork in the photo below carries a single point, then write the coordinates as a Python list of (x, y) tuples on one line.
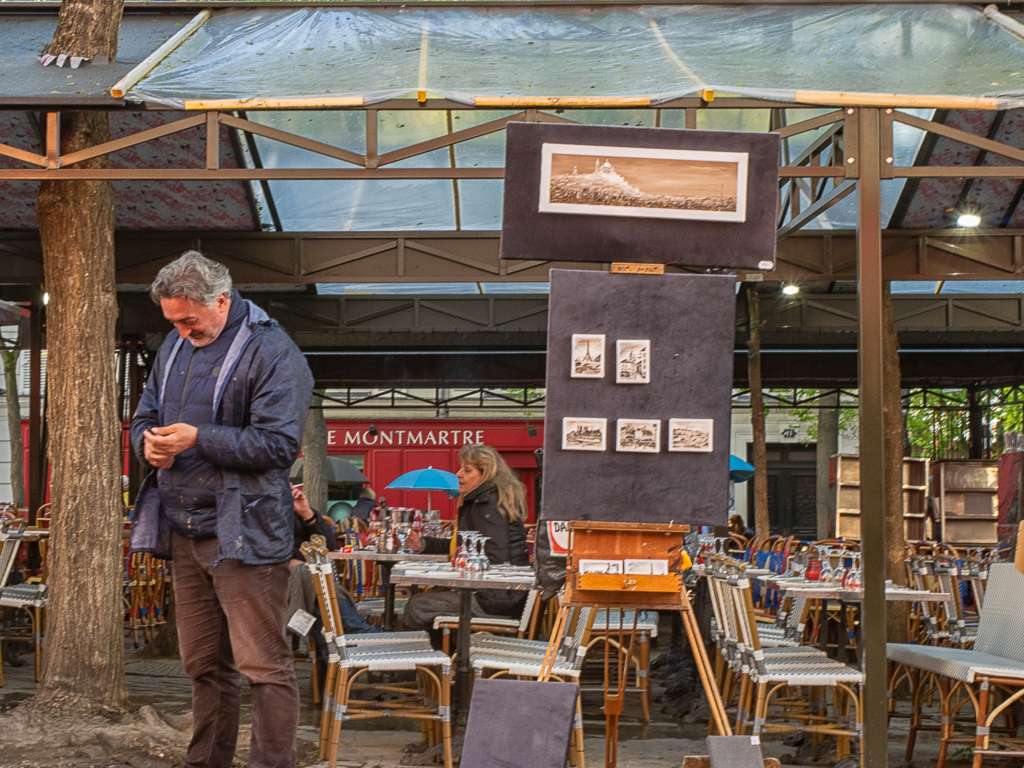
[(558, 537)]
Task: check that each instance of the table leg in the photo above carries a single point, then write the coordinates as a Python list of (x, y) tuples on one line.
[(388, 620), (462, 667)]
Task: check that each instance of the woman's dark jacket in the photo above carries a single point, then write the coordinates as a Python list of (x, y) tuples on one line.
[(506, 543), (319, 524)]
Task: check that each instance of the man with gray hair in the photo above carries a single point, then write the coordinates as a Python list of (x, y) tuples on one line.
[(220, 421)]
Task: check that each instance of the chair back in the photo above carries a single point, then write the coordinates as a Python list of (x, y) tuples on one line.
[(10, 539), (1001, 628), (530, 608)]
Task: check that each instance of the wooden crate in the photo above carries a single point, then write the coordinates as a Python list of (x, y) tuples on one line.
[(845, 480), (967, 500)]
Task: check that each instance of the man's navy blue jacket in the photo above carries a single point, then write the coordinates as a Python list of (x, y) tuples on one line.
[(253, 436)]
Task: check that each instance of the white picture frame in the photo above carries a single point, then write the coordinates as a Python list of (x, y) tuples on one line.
[(643, 182), (633, 361), (584, 434), (587, 356), (691, 435), (638, 436)]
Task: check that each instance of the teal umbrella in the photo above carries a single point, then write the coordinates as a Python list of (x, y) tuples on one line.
[(427, 479), (739, 470)]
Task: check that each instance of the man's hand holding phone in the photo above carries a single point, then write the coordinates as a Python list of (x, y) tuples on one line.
[(162, 444)]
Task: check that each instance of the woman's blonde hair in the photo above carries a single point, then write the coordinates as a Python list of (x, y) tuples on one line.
[(511, 492)]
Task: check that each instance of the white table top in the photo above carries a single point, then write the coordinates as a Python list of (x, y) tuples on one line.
[(373, 555), (444, 575)]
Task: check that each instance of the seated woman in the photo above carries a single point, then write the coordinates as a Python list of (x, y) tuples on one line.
[(492, 501)]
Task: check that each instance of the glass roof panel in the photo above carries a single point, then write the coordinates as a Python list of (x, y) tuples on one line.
[(516, 288), (983, 286), (913, 286)]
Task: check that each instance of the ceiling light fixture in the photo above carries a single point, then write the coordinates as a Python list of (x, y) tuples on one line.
[(789, 289), (968, 220)]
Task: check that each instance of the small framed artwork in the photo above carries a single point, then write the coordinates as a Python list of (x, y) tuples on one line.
[(580, 434), (643, 182), (691, 435), (633, 361), (638, 436), (587, 356)]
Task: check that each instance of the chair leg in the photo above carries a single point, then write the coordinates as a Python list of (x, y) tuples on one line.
[(445, 697), (314, 677), (981, 717), (446, 641), (946, 726), (327, 708), (760, 709), (644, 679), (577, 732), (742, 705), (915, 712), (340, 707)]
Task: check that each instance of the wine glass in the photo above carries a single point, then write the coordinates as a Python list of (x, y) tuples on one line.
[(481, 545), (462, 556)]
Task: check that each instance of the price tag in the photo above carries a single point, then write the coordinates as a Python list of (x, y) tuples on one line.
[(558, 537), (301, 622)]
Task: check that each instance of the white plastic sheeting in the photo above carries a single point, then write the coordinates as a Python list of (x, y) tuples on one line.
[(646, 53)]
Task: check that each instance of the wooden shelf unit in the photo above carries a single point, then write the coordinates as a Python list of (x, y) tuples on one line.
[(967, 500), (845, 479)]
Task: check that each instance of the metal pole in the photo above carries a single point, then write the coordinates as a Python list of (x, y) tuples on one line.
[(872, 437)]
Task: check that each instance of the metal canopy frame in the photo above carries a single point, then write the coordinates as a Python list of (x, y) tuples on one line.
[(862, 153)]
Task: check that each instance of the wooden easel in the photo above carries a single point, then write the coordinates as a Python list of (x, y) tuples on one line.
[(636, 592)]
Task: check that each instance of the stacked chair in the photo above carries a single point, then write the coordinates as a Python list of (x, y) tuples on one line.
[(770, 660), (27, 597), (629, 632), (358, 656)]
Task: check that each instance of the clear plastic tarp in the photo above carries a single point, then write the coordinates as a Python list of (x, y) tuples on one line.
[(608, 54)]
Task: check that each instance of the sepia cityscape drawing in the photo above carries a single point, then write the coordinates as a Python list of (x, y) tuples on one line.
[(691, 435), (638, 436), (587, 356), (643, 182), (579, 434), (633, 361)]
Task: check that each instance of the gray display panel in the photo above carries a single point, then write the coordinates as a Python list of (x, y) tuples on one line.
[(688, 321)]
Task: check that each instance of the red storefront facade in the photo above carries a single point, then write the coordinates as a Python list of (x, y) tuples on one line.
[(384, 449)]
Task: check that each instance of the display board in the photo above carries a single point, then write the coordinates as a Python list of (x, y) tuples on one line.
[(501, 733), (637, 417), (652, 195)]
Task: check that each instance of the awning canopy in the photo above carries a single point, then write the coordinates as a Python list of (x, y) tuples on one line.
[(884, 55)]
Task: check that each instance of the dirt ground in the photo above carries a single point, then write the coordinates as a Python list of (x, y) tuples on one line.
[(154, 734)]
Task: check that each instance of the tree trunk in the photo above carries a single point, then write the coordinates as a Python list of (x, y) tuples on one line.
[(314, 456), (9, 362), (827, 446), (762, 524), (893, 425), (84, 661)]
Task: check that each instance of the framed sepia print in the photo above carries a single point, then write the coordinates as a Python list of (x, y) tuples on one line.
[(643, 182), (633, 361), (587, 356), (581, 434), (638, 436), (691, 435)]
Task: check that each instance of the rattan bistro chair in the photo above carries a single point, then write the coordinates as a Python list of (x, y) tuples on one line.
[(632, 632), (353, 657), (522, 627), (495, 656), (990, 675), (28, 597)]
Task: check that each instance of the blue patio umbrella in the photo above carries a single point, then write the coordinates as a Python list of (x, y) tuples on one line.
[(427, 479), (739, 470)]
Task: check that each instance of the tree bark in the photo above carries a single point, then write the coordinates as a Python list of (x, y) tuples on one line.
[(893, 424), (9, 361), (827, 446), (314, 456), (762, 523), (84, 639)]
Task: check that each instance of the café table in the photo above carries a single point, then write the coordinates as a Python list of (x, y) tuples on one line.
[(519, 578), (386, 561)]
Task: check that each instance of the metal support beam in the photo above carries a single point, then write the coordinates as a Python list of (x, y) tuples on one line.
[(871, 374), (975, 426)]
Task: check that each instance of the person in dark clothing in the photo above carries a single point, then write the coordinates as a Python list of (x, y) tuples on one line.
[(493, 503), (365, 504), (220, 420)]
